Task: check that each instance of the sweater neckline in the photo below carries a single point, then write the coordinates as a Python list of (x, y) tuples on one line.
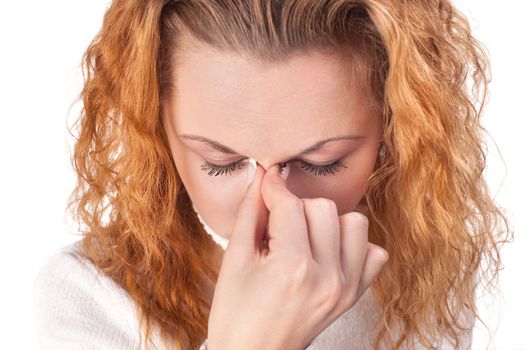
[(221, 241)]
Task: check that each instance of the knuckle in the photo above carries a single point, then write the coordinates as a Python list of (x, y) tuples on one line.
[(350, 294), (331, 290), (293, 204), (298, 204), (294, 274), (299, 270), (358, 219), (321, 204)]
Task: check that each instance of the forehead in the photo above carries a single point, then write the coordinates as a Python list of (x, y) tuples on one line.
[(308, 97)]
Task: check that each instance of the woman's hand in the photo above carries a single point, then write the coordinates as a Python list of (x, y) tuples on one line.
[(315, 267)]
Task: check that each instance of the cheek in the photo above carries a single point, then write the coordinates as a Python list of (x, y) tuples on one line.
[(217, 206), (346, 188), (215, 197)]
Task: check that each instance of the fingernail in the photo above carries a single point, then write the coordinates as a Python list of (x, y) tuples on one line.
[(250, 171), (284, 170)]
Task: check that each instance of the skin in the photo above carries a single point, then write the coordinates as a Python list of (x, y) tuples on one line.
[(269, 113)]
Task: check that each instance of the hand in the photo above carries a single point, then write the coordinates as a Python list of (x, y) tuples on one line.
[(315, 267)]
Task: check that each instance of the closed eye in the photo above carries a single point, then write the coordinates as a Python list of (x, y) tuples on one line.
[(318, 170)]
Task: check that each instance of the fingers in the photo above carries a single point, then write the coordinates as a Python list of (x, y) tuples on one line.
[(250, 223), (287, 227), (323, 229), (354, 240), (375, 259)]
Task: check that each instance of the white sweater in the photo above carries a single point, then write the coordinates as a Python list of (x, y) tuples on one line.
[(78, 307)]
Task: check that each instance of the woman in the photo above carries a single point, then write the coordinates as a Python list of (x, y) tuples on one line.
[(193, 110)]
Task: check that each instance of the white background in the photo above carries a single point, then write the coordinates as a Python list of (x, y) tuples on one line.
[(41, 43)]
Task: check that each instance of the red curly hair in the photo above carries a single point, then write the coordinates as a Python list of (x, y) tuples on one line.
[(428, 204)]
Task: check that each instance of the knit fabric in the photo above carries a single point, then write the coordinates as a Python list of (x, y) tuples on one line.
[(78, 307)]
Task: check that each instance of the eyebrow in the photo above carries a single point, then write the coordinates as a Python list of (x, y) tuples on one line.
[(313, 148)]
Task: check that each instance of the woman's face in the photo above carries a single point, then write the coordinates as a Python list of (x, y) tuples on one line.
[(225, 109)]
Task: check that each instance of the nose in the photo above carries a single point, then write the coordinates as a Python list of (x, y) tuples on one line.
[(266, 166)]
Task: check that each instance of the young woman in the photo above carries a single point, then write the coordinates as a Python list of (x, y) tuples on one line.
[(276, 175)]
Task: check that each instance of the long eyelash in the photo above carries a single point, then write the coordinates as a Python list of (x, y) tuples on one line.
[(215, 170), (317, 170), (323, 169)]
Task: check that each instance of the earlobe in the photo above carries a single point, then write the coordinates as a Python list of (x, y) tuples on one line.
[(382, 151)]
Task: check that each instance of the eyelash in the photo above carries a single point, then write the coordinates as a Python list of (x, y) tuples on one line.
[(317, 170)]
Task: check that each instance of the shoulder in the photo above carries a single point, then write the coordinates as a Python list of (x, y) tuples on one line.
[(66, 266), (69, 274), (76, 306)]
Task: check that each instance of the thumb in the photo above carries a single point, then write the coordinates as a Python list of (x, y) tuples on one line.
[(252, 216)]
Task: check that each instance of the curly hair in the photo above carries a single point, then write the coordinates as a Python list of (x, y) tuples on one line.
[(427, 201)]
